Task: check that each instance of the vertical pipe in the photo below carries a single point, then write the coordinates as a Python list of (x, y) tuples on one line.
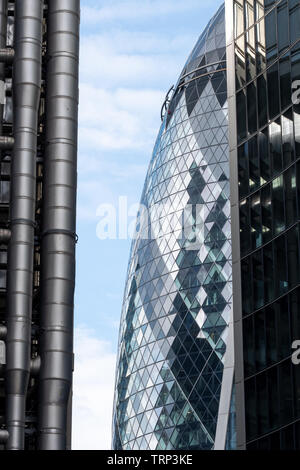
[(59, 223), (26, 96), (3, 34)]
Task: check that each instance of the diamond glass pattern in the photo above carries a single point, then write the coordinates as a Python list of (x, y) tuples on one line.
[(177, 299)]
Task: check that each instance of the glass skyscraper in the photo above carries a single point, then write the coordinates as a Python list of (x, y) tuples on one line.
[(211, 305), (177, 303)]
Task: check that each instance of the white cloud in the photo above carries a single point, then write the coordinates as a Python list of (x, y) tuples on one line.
[(129, 10), (118, 119), (132, 59), (93, 391)]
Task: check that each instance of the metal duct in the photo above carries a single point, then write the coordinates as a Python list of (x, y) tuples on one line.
[(3, 436), (7, 55), (26, 96), (3, 35), (3, 332), (5, 235), (59, 223), (6, 143)]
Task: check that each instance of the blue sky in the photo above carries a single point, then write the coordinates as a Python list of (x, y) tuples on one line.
[(132, 51)]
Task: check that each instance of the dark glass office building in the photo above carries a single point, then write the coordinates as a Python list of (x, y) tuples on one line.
[(264, 123), (39, 54), (205, 351)]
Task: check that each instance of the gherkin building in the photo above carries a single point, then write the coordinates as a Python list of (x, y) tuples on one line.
[(174, 381)]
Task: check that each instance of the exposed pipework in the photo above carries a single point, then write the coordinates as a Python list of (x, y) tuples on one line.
[(3, 35), (5, 235), (3, 333), (6, 143), (26, 96), (59, 223), (3, 436), (7, 55)]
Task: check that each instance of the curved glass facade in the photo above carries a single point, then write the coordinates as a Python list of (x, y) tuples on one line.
[(177, 303)]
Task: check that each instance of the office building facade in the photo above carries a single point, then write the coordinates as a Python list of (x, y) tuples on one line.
[(38, 147), (264, 128), (205, 348)]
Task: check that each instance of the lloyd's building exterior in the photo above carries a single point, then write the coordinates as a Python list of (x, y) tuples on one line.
[(211, 309)]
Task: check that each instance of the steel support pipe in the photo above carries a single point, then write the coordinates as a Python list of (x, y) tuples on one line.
[(26, 96), (3, 38), (3, 436), (3, 333), (6, 143), (59, 224), (7, 55), (5, 235)]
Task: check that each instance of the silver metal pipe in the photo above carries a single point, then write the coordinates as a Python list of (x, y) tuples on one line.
[(7, 55), (59, 223), (3, 36), (3, 436), (5, 235), (6, 143), (3, 333), (26, 96)]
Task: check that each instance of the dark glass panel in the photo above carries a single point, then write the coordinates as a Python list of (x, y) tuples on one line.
[(283, 30), (297, 129), (283, 328), (295, 317), (245, 227), (262, 100), (256, 226), (266, 210), (264, 157), (250, 54), (258, 280), (254, 180), (294, 23), (271, 335), (275, 145), (278, 205), (271, 36), (273, 91), (285, 81), (241, 116), (290, 195), (247, 296), (293, 257), (260, 45), (287, 128), (285, 392), (268, 273), (280, 267), (243, 170), (240, 62), (251, 410), (260, 340), (262, 408), (273, 393), (251, 108), (249, 346)]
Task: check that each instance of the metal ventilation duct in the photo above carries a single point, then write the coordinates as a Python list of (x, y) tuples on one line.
[(59, 223), (26, 96)]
